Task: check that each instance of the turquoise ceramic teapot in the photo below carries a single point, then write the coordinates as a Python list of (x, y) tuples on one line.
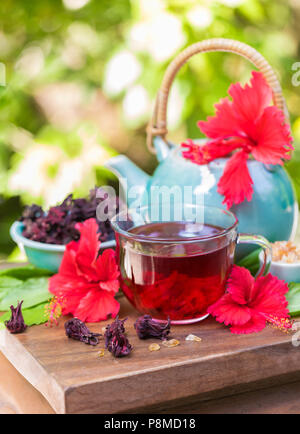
[(273, 210)]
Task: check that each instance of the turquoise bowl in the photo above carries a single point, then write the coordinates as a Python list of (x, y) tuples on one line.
[(43, 255)]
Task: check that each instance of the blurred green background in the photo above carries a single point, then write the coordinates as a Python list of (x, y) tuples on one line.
[(79, 77)]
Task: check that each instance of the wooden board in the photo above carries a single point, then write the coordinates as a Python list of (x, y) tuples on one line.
[(74, 379), (17, 395)]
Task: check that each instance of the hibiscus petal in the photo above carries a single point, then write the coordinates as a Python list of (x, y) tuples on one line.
[(106, 266), (254, 325), (224, 124), (110, 285), (88, 247), (193, 152), (236, 182), (226, 310), (233, 118), (71, 288), (85, 294), (70, 303), (59, 283), (97, 306), (240, 284), (268, 296), (249, 102), (272, 137), (203, 154), (68, 265)]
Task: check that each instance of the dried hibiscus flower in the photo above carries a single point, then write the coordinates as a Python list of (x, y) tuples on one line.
[(58, 224), (16, 323), (115, 340), (115, 327), (76, 329), (146, 328), (119, 345)]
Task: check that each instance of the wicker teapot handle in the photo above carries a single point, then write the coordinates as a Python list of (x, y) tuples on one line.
[(158, 124)]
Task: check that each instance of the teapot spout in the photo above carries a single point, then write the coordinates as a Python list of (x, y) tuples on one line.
[(132, 179)]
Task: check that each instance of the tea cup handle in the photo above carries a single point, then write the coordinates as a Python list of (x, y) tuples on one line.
[(261, 242)]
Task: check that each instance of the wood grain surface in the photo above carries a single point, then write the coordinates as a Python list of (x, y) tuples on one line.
[(74, 379), (17, 395)]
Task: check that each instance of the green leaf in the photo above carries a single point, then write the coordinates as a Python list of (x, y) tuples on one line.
[(32, 291), (293, 298), (6, 285), (33, 315), (25, 272), (251, 262)]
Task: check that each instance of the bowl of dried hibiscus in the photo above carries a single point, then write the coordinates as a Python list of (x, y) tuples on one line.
[(43, 235)]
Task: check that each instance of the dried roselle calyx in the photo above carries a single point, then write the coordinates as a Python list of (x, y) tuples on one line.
[(16, 323), (76, 329), (58, 224), (115, 339), (146, 328), (119, 345), (112, 329), (31, 212)]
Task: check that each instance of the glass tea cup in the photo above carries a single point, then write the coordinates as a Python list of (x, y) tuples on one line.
[(177, 268)]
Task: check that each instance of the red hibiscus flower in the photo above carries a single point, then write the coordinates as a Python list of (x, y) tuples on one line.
[(176, 296), (248, 123), (249, 304), (87, 282)]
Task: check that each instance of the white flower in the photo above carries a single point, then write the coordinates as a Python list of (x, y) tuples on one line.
[(75, 4), (200, 17), (84, 36), (150, 8), (76, 174), (121, 71), (32, 173), (31, 62), (161, 36), (136, 104), (175, 106)]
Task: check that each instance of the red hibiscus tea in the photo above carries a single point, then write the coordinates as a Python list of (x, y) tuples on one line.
[(175, 269)]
